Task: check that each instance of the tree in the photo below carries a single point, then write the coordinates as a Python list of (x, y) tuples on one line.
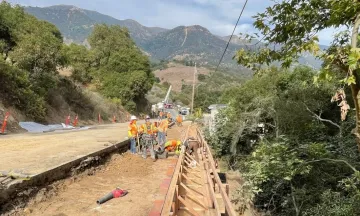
[(300, 154), (201, 77), (34, 46), (80, 59), (294, 24), (120, 68)]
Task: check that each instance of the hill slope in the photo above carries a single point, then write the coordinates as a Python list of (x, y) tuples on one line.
[(181, 43), (190, 43), (76, 24)]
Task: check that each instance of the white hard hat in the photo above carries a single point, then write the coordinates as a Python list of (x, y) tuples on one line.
[(133, 118), (147, 117)]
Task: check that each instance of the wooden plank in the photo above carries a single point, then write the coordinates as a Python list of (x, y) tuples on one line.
[(190, 179), (192, 171), (191, 157), (192, 193), (187, 163), (212, 193), (188, 205), (229, 208), (171, 191), (206, 189), (187, 159), (176, 209)]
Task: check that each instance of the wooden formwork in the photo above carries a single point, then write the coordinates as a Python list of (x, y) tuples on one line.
[(197, 190)]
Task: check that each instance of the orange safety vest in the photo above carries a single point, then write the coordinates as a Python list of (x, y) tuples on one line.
[(171, 145), (163, 125), (148, 128), (133, 129), (179, 119)]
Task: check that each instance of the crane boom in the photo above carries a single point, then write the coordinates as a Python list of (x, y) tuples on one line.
[(167, 95)]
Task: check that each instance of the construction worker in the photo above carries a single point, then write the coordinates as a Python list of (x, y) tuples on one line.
[(148, 131), (161, 115), (169, 115), (173, 145), (169, 122), (179, 120), (162, 130), (132, 134), (191, 147)]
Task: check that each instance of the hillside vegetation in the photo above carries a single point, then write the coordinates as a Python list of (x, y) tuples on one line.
[(293, 133), (32, 52)]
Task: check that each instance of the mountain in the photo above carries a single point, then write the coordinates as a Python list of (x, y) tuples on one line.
[(76, 24), (194, 43), (305, 58), (189, 43), (238, 40), (182, 43)]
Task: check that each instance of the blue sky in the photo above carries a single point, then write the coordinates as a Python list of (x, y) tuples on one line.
[(219, 16)]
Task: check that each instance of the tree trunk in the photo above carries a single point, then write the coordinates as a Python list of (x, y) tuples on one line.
[(354, 87), (356, 97)]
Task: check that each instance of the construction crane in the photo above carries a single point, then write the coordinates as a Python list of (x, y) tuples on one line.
[(164, 104), (166, 101)]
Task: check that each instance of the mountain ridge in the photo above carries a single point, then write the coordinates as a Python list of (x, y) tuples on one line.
[(193, 42)]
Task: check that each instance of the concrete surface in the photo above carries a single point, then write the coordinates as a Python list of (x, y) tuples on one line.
[(36, 153)]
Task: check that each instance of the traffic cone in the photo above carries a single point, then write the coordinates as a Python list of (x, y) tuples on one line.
[(99, 118), (3, 127), (75, 121), (67, 120)]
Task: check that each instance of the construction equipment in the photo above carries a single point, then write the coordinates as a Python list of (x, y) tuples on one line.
[(164, 104)]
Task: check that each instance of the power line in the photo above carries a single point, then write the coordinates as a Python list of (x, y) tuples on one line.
[(227, 45)]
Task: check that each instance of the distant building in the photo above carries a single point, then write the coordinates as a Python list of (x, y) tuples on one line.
[(214, 110)]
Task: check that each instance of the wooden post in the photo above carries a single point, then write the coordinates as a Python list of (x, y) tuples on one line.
[(193, 91)]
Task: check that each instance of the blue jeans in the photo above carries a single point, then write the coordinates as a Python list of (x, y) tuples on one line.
[(162, 139), (132, 145)]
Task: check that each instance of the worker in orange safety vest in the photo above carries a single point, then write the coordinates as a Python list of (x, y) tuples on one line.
[(132, 134), (179, 120), (173, 145), (148, 131)]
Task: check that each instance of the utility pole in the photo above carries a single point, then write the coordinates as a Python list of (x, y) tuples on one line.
[(193, 91)]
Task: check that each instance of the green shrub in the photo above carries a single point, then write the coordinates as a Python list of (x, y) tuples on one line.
[(16, 90)]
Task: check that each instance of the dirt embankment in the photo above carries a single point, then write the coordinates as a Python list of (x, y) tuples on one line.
[(84, 103), (78, 195)]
